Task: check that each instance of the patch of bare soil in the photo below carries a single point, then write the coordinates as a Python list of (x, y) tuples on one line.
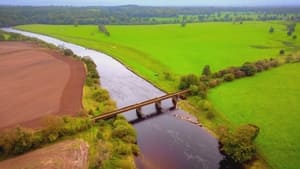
[(70, 154), (37, 82)]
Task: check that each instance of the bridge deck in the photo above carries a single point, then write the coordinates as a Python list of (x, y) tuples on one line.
[(138, 105)]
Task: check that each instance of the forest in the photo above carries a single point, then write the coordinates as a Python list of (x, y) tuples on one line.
[(131, 14)]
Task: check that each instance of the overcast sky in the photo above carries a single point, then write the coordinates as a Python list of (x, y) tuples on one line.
[(154, 2)]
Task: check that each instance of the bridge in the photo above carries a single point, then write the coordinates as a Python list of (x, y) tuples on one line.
[(138, 106)]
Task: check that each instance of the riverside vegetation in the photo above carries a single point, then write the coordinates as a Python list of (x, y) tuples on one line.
[(112, 143)]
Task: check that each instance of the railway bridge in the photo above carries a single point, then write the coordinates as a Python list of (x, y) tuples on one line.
[(138, 106)]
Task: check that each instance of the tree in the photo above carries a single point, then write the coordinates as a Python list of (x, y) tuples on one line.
[(206, 70), (271, 30), (187, 81), (239, 145)]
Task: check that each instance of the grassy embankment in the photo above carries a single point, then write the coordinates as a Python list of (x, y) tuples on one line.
[(152, 51), (112, 143)]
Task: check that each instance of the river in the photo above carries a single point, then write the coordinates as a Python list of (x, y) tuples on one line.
[(166, 142)]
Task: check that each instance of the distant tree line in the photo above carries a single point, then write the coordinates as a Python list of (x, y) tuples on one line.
[(18, 15)]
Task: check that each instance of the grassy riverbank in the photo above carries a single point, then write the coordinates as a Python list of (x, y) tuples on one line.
[(156, 50), (269, 100)]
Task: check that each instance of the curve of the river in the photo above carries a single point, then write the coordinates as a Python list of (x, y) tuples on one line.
[(166, 142)]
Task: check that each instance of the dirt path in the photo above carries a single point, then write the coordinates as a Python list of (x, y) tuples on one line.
[(36, 82)]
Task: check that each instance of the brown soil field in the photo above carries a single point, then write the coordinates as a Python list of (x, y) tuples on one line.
[(37, 82), (70, 154)]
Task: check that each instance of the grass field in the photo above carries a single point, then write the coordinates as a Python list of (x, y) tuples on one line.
[(152, 50), (271, 101)]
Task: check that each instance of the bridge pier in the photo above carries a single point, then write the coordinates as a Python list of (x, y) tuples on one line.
[(158, 106), (139, 113), (174, 101)]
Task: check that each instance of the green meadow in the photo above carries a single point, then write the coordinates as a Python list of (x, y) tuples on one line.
[(269, 100), (152, 50)]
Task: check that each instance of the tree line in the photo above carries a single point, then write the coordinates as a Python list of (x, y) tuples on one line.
[(18, 15)]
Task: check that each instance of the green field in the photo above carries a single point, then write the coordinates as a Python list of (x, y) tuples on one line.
[(151, 50), (271, 101)]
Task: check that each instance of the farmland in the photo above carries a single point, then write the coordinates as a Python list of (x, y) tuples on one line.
[(269, 100), (152, 51)]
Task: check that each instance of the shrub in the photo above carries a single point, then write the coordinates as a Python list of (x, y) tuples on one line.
[(68, 52), (2, 37), (168, 76), (239, 74), (249, 69), (187, 81), (123, 149), (206, 70), (271, 30), (16, 141), (210, 115), (101, 95), (203, 89), (229, 77), (213, 83), (281, 52), (295, 37), (274, 62), (194, 90), (239, 145), (124, 131)]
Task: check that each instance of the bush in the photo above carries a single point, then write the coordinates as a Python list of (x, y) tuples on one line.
[(123, 149), (68, 52), (16, 141), (213, 83), (206, 70), (239, 74), (239, 145), (249, 69), (210, 115), (168, 76), (194, 90), (2, 37), (101, 95), (187, 81), (229, 77), (271, 30), (124, 131), (295, 37), (281, 52), (203, 89)]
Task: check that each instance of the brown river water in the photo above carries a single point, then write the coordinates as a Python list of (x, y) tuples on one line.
[(166, 141)]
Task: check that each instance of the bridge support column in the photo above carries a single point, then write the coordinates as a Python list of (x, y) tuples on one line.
[(139, 113), (174, 101), (158, 106)]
